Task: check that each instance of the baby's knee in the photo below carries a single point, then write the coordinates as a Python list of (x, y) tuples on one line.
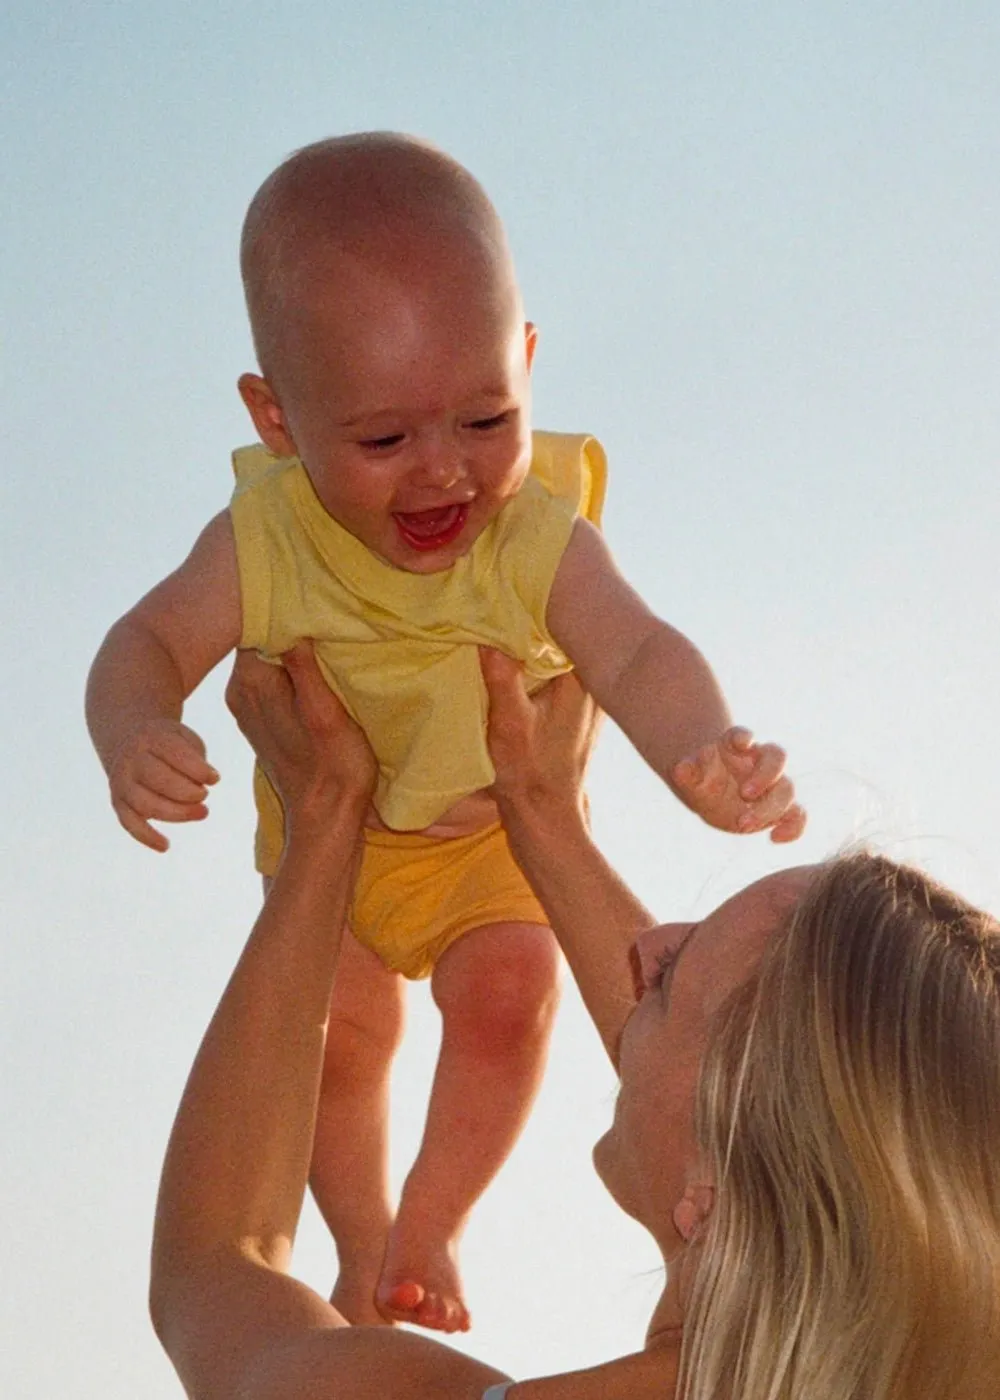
[(509, 994)]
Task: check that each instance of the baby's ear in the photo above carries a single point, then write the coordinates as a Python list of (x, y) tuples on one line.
[(693, 1209), (530, 343), (267, 414)]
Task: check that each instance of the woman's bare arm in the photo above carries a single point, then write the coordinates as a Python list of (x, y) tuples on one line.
[(235, 1324), (540, 748)]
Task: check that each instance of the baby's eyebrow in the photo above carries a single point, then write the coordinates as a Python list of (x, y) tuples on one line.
[(476, 399), (367, 417)]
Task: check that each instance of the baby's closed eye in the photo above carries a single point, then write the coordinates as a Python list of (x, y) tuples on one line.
[(484, 425), (381, 444)]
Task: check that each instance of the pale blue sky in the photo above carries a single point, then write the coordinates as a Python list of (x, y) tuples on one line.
[(761, 244)]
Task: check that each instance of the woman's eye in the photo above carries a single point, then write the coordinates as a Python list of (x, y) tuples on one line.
[(653, 979), (381, 443), (644, 978)]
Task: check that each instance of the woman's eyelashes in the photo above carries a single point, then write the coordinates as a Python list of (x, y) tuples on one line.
[(657, 977), (648, 972), (662, 964)]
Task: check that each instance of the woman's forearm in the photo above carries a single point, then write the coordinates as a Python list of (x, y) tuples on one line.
[(593, 913), (237, 1164)]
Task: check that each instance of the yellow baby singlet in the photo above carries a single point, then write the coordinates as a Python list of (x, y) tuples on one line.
[(399, 649)]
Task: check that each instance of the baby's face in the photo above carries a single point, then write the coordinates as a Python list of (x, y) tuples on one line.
[(410, 410)]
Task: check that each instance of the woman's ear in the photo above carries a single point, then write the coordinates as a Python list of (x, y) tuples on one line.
[(693, 1209)]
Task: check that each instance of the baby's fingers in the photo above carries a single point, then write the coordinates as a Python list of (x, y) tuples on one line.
[(136, 826), (789, 827), (768, 767), (146, 802), (770, 809), (161, 778), (704, 771), (184, 751)]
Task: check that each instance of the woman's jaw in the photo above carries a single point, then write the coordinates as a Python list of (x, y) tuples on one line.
[(649, 1159)]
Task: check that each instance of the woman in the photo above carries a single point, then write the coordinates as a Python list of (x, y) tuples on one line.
[(808, 1122)]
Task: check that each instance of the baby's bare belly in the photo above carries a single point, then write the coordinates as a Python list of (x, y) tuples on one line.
[(472, 813)]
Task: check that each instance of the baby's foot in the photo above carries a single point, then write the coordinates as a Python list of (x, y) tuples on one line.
[(420, 1284), (354, 1297)]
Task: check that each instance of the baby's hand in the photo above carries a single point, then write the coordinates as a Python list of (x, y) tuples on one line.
[(737, 785), (159, 771)]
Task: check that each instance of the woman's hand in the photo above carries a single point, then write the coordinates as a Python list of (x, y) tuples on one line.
[(540, 745), (309, 747)]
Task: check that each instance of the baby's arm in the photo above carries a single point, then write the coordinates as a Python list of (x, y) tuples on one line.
[(147, 666), (659, 688)]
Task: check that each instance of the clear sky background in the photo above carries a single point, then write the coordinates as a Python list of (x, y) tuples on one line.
[(761, 243)]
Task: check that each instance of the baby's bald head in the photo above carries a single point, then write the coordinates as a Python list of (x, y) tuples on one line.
[(377, 204)]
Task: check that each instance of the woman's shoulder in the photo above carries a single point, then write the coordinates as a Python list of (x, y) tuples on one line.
[(374, 1363), (644, 1375), (368, 1363)]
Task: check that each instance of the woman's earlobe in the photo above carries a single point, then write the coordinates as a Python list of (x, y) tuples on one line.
[(693, 1209)]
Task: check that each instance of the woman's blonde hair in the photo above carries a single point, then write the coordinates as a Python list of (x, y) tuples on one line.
[(849, 1108)]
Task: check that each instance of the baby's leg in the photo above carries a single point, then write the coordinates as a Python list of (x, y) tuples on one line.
[(349, 1175), (497, 989)]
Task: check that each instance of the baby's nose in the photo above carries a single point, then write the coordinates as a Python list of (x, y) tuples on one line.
[(441, 463)]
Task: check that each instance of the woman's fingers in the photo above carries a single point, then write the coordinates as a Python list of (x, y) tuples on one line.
[(249, 682), (510, 708), (298, 728), (320, 709)]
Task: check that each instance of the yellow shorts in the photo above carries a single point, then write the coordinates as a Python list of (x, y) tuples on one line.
[(416, 894)]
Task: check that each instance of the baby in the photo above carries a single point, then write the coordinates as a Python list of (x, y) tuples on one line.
[(400, 513)]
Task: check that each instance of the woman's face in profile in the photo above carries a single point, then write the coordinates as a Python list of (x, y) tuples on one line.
[(648, 1157)]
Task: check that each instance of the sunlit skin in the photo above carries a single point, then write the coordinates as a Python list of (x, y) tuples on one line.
[(236, 1167), (411, 406), (395, 364), (648, 1159)]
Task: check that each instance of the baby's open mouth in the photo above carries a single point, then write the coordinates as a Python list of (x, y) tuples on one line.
[(432, 529)]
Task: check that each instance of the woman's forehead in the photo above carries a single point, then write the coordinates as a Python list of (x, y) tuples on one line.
[(773, 893), (746, 921)]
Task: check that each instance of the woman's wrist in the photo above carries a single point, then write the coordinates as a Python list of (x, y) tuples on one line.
[(326, 817), (541, 814), (545, 832)]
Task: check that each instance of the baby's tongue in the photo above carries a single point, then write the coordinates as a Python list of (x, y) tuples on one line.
[(428, 522)]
